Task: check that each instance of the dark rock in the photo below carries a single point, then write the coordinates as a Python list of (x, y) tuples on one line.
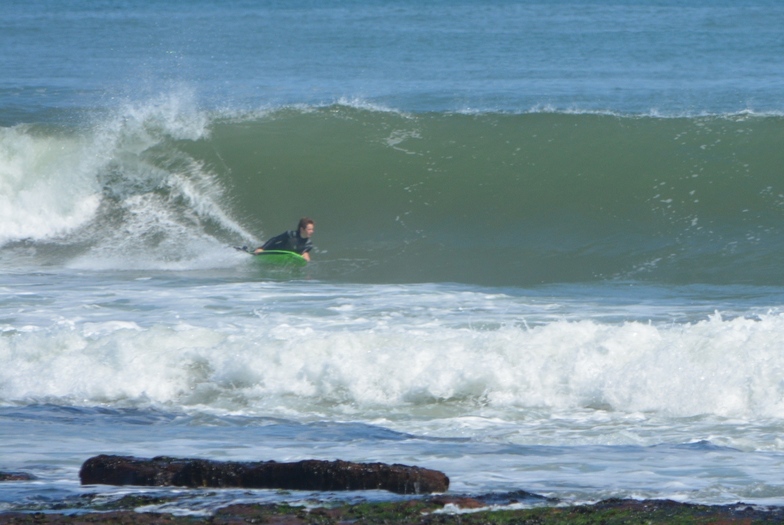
[(301, 475), (517, 496), (461, 502), (16, 476)]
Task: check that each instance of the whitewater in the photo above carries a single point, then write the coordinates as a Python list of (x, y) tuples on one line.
[(547, 251)]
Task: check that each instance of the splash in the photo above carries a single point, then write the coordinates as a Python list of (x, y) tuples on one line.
[(117, 192), (47, 184)]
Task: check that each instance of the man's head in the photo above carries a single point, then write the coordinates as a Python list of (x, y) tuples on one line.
[(306, 227)]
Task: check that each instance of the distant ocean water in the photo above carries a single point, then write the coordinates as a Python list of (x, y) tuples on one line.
[(548, 243)]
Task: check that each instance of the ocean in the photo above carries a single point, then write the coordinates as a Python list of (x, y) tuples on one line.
[(549, 243)]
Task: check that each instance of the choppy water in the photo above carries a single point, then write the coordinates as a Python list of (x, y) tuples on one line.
[(548, 243)]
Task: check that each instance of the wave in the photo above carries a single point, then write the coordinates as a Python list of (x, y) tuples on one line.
[(718, 366), (485, 198)]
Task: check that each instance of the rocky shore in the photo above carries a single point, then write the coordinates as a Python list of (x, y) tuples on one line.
[(427, 511), (421, 507)]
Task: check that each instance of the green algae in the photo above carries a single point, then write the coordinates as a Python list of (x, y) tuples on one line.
[(610, 512), (417, 512)]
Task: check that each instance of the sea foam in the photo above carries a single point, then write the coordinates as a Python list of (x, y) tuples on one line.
[(374, 361)]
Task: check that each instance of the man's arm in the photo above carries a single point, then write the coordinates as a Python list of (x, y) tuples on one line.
[(272, 244)]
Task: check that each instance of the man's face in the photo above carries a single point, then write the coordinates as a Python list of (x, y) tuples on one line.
[(306, 232)]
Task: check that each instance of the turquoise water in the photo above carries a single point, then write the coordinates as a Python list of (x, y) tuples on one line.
[(548, 241)]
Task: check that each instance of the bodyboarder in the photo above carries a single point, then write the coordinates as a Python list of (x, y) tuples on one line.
[(297, 241)]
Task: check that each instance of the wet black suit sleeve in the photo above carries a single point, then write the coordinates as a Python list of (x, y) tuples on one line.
[(290, 241)]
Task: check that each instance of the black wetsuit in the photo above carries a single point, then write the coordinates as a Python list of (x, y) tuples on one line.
[(290, 241)]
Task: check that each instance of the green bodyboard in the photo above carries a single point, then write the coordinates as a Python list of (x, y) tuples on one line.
[(280, 258)]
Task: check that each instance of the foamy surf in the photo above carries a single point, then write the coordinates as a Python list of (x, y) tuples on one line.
[(419, 352)]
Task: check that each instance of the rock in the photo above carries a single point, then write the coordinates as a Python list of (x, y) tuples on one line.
[(16, 476), (301, 475), (461, 502)]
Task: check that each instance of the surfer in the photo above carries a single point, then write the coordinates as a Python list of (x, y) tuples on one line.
[(294, 241)]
